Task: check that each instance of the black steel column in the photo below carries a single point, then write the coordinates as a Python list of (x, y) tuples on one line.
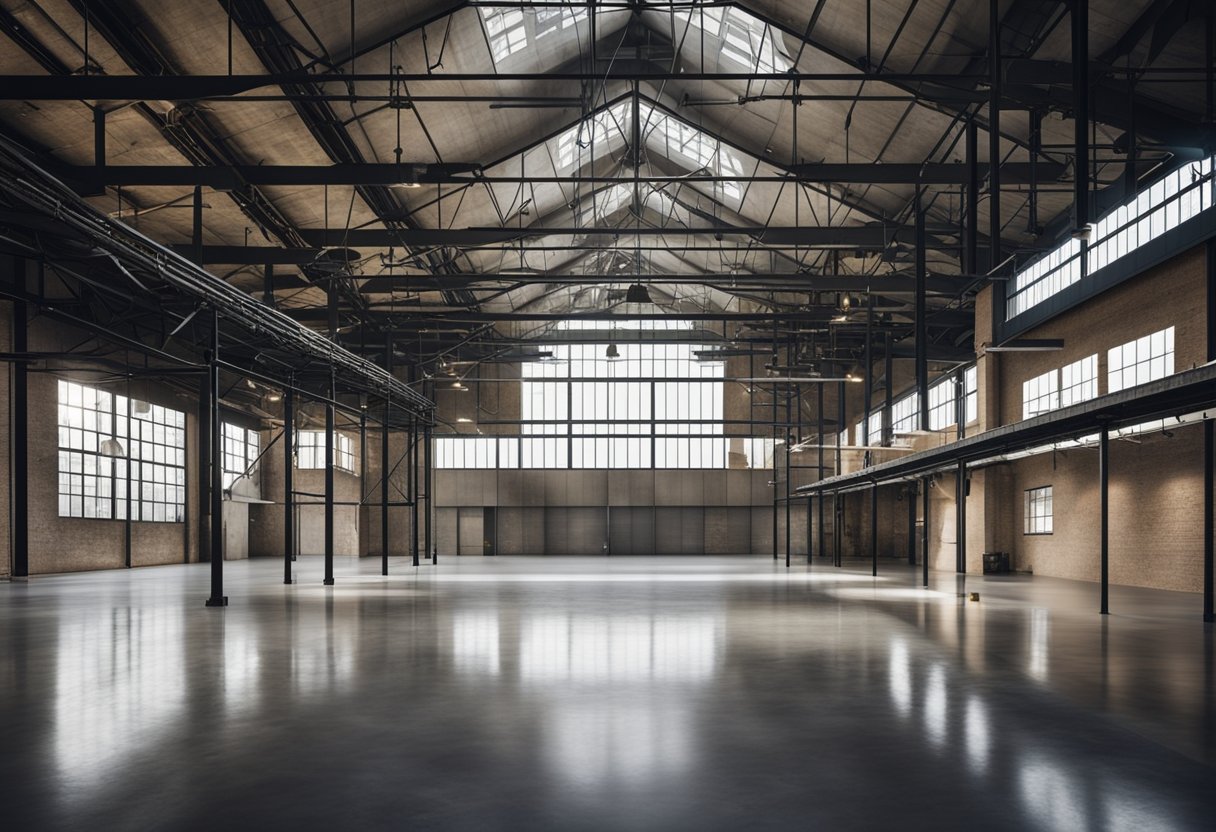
[(19, 482), (810, 531), (819, 502), (215, 460), (385, 465), (289, 484), (328, 580), (428, 480), (414, 496), (1209, 493), (1080, 99), (994, 134), (924, 532), (874, 530), (412, 478), (887, 370), (912, 492), (788, 438), (1104, 514), (837, 505), (868, 398), (971, 230), (922, 345), (1209, 591), (960, 518)]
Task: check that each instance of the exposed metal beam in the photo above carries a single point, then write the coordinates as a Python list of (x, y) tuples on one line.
[(196, 87), (872, 237), (226, 178)]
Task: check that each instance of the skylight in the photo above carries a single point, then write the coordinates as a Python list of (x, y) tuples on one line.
[(603, 204), (550, 19), (686, 143), (505, 30), (598, 131), (745, 40)]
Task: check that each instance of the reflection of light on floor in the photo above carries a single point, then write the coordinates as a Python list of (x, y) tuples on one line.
[(617, 743), (324, 662), (1040, 627), (1050, 796), (935, 705), (475, 642), (781, 577), (588, 648), (118, 686), (900, 678), (886, 593), (977, 734), (242, 660), (1127, 807)]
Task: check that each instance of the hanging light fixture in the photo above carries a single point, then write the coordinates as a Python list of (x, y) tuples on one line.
[(112, 448), (638, 294), (612, 352)]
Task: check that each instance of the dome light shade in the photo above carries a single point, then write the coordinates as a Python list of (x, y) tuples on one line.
[(637, 294), (111, 447), (612, 352)]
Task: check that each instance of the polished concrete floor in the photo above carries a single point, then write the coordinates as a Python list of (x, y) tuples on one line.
[(625, 693)]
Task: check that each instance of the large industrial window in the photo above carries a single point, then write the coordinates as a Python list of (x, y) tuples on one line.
[(241, 449), (1141, 361), (747, 41), (118, 456), (611, 406), (1037, 511), (698, 149), (1176, 198), (942, 401), (971, 394), (310, 450), (905, 413), (1041, 394), (1079, 381)]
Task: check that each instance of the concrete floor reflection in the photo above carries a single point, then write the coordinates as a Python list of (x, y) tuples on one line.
[(660, 693)]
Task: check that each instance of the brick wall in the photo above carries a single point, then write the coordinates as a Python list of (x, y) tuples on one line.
[(1156, 481)]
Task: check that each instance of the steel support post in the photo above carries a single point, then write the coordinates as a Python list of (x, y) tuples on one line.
[(874, 530), (1080, 98), (1209, 493), (428, 480), (887, 393), (924, 533), (328, 580), (994, 134), (971, 225), (289, 484), (960, 518), (215, 458), (819, 502), (837, 505), (385, 465), (810, 530), (922, 345), (412, 488), (414, 498), (912, 492), (1104, 515), (788, 442), (1209, 590), (20, 416)]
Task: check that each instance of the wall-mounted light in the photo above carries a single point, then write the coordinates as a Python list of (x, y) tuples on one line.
[(464, 420)]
